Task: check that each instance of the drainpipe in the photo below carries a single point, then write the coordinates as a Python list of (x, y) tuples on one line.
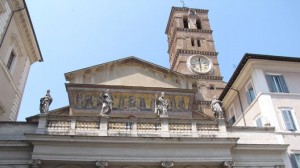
[(11, 16), (238, 93)]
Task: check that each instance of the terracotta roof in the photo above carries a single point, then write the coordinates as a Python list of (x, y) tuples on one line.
[(243, 62)]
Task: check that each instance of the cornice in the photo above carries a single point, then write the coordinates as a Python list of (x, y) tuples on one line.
[(202, 102), (206, 77), (179, 51), (182, 9), (186, 30)]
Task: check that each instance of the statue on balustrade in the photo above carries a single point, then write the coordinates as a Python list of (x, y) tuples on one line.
[(45, 102), (216, 106), (107, 104), (161, 106)]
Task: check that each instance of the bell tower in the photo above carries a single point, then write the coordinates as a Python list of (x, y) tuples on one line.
[(192, 51)]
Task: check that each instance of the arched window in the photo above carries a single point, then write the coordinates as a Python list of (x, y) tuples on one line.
[(198, 43), (192, 41), (198, 24), (185, 22)]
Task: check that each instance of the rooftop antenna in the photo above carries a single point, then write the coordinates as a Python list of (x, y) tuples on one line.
[(183, 4)]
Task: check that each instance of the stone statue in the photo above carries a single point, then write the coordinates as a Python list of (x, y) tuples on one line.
[(217, 107), (45, 102), (107, 104), (161, 106)]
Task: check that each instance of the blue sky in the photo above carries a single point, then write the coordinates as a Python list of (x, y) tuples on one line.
[(74, 34)]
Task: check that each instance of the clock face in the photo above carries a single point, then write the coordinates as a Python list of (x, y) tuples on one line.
[(199, 64)]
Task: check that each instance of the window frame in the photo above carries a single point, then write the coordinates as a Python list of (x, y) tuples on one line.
[(232, 115), (185, 21), (250, 97), (261, 119), (292, 117), (277, 85), (11, 60)]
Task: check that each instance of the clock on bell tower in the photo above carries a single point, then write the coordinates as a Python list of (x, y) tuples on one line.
[(191, 48)]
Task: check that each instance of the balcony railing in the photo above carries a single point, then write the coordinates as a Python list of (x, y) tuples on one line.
[(131, 127)]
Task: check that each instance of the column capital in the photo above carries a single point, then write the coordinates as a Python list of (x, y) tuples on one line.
[(35, 163), (101, 164), (229, 164), (167, 164)]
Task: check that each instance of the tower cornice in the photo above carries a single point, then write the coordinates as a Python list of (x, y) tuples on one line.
[(182, 9)]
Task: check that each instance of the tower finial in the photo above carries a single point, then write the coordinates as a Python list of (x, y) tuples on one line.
[(183, 4)]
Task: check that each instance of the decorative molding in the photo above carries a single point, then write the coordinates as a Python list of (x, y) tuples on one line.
[(202, 102), (35, 163), (229, 164), (101, 164), (206, 77), (167, 164)]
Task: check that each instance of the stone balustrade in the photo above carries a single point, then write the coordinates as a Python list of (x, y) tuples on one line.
[(164, 127)]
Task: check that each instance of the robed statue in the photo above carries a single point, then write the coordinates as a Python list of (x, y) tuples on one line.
[(45, 102), (107, 104), (216, 106), (161, 106)]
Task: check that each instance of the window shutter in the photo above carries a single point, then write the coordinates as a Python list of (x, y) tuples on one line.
[(271, 83), (283, 84)]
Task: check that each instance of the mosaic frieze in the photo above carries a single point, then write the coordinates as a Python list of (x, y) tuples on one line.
[(129, 100)]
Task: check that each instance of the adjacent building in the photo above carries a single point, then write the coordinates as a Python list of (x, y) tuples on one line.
[(264, 92), (19, 49)]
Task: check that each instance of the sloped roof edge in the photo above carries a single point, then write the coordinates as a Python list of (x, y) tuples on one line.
[(125, 59), (243, 62)]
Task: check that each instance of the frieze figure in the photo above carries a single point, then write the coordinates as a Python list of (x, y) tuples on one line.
[(45, 102), (131, 102), (100, 100), (79, 100), (89, 101), (107, 105), (122, 102), (181, 104), (142, 104), (173, 104), (216, 106), (161, 106)]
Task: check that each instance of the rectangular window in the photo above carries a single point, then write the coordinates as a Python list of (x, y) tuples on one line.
[(250, 95), (277, 84), (10, 60), (288, 120), (259, 122), (295, 158), (231, 120)]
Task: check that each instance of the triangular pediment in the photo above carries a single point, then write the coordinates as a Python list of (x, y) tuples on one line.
[(130, 71)]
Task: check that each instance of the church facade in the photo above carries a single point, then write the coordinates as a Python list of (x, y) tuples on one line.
[(130, 113)]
